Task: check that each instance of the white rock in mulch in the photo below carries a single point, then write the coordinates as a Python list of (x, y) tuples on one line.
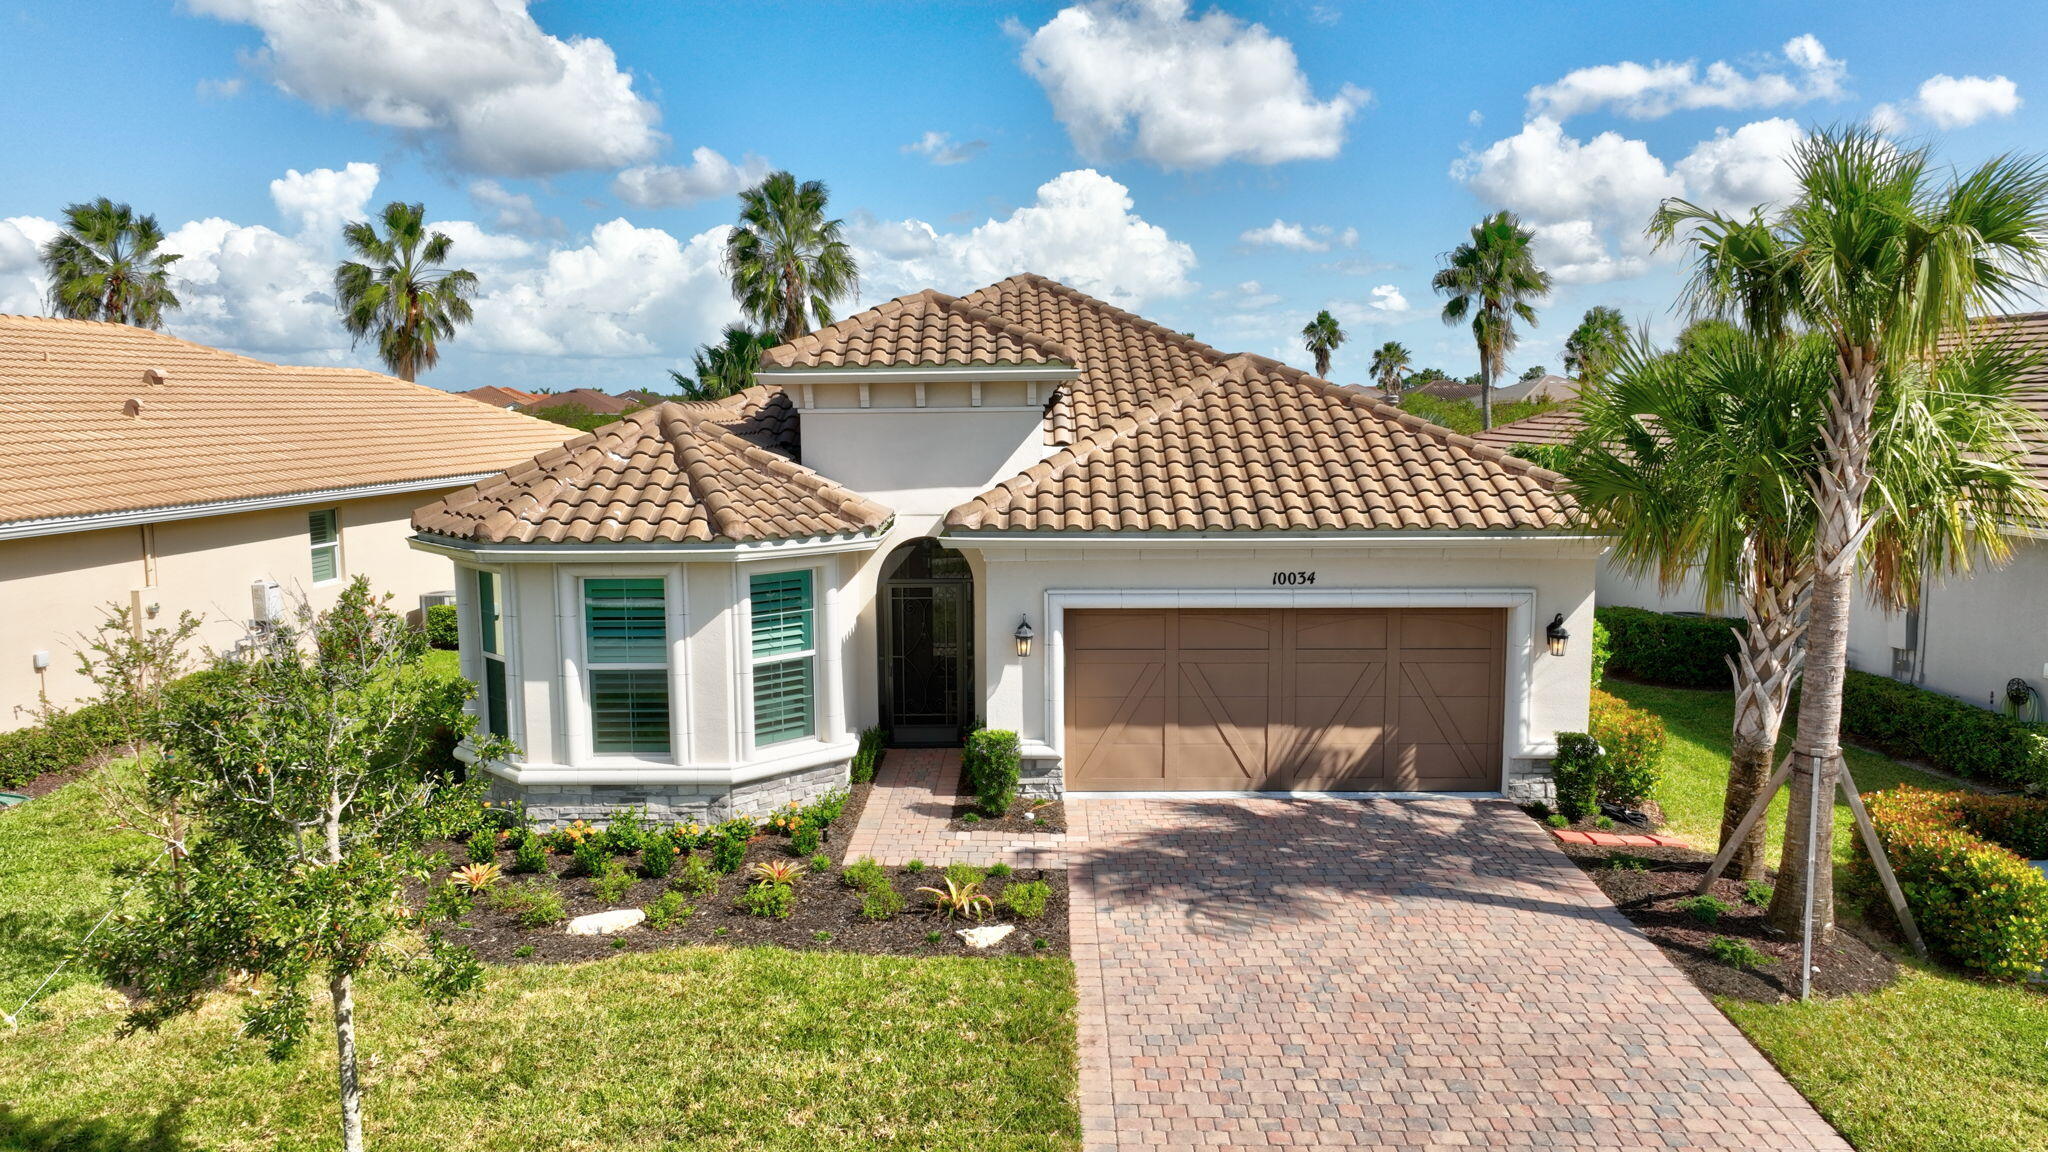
[(606, 923), (986, 935)]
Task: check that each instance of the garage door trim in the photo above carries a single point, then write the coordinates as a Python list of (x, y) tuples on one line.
[(1520, 638)]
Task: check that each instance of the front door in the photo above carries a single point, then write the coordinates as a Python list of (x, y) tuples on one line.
[(927, 605)]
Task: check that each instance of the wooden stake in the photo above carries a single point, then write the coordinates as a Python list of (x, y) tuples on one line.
[(1749, 819), (1883, 863)]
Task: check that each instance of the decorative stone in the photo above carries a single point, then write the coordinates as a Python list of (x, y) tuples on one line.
[(606, 923), (986, 935)]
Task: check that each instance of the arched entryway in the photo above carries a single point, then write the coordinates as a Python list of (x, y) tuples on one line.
[(927, 626)]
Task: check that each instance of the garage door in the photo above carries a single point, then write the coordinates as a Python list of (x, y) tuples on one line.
[(1343, 699)]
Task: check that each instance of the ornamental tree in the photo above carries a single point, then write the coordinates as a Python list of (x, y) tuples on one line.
[(307, 768)]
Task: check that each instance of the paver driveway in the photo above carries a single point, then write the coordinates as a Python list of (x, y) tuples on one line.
[(1388, 974)]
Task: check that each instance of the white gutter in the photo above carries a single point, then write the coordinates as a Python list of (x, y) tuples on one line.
[(471, 550), (941, 374), (92, 521), (1418, 539)]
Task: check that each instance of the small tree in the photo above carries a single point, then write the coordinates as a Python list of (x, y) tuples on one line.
[(132, 668), (305, 768)]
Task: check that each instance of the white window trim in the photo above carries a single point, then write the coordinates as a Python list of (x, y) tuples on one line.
[(470, 640), (1520, 642), (340, 560), (827, 685), (576, 665)]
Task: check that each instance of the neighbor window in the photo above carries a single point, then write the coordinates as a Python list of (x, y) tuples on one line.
[(323, 531), (625, 646), (490, 628), (784, 653)]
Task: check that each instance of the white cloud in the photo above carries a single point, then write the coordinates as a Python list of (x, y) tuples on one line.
[(1388, 299), (480, 84), (22, 287), (1647, 91), (1575, 252), (1181, 91), (1281, 234), (1889, 119), (1960, 101), (510, 211), (629, 291), (1475, 117), (321, 201), (941, 149), (1080, 228), (250, 288), (1548, 176), (1737, 171), (708, 176)]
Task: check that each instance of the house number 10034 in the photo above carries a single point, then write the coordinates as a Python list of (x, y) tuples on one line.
[(1294, 577)]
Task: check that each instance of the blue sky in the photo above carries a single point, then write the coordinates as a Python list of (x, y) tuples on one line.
[(1226, 170)]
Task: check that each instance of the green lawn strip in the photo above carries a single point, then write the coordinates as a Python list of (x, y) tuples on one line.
[(1936, 1063), (1695, 779), (57, 862)]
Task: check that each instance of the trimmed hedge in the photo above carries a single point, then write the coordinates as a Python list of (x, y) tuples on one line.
[(1952, 735), (1603, 650), (1576, 772), (1632, 749), (442, 631), (69, 739), (868, 756), (990, 764), (1684, 651), (1961, 859)]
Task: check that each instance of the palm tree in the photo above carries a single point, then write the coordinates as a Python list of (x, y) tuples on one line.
[(1882, 261), (1321, 336), (1591, 348), (1389, 363), (399, 292), (105, 265), (727, 366), (786, 260), (1492, 278)]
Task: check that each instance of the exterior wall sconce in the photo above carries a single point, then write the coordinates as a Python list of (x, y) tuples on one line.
[(1024, 635), (1556, 635)]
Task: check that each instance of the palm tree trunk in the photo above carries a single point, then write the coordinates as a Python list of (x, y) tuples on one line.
[(1838, 537), (1767, 657)]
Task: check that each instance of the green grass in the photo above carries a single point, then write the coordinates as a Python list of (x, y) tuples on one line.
[(693, 1048), (443, 661), (1936, 1063)]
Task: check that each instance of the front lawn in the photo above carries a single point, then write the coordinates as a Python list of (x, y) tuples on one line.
[(1936, 1063), (684, 1048)]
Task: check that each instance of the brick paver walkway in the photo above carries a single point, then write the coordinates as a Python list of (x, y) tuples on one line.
[(912, 802)]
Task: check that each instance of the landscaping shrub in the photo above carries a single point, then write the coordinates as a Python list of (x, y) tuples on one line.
[(590, 857), (1974, 895), (529, 853), (67, 740), (1027, 900), (695, 877), (881, 903), (1631, 742), (1706, 909), (1685, 651), (1736, 953), (668, 910), (868, 756), (482, 847), (1576, 770), (612, 882), (767, 899), (1603, 650), (442, 631), (805, 839), (728, 852), (626, 832), (533, 903), (820, 813), (1952, 735), (989, 768), (864, 875), (658, 859), (966, 873)]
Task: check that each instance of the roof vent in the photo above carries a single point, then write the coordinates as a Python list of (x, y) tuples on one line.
[(156, 375), (132, 408)]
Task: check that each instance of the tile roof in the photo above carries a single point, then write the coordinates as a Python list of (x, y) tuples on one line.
[(1557, 426), (674, 473), (499, 396), (2029, 329), (218, 426), (1256, 445), (588, 399), (924, 329)]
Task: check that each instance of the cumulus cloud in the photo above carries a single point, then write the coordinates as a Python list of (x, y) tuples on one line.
[(1739, 170), (22, 287), (1388, 299), (1802, 72), (510, 211), (1547, 175), (940, 148), (1145, 77), (708, 176), (251, 288), (479, 84), (1960, 101), (628, 292), (321, 201), (1281, 234), (1080, 228)]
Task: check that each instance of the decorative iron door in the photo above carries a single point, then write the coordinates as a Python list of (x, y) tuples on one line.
[(927, 662)]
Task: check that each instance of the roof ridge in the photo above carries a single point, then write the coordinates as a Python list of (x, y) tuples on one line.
[(154, 333), (980, 315), (681, 432), (1172, 335)]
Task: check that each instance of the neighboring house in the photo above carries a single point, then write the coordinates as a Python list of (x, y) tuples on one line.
[(150, 472), (588, 399), (1557, 388), (641, 398), (1969, 637), (498, 396), (1164, 566)]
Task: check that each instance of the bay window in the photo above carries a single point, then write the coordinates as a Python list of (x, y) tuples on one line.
[(783, 651), (490, 624), (625, 649)]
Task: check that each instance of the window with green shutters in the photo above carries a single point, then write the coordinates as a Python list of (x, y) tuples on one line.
[(323, 532), (784, 650), (490, 622), (625, 651)]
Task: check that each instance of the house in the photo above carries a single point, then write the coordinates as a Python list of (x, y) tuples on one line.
[(498, 396), (1557, 388), (641, 398), (165, 476), (1970, 637), (588, 399), (1164, 566)]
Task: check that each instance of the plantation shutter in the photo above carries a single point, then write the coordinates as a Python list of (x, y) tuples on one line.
[(783, 643), (629, 710), (323, 532), (626, 621)]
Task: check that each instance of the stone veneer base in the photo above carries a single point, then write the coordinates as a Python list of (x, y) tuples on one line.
[(560, 803), (1531, 781)]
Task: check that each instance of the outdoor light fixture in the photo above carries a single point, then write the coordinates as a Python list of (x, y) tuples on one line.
[(1024, 635), (1557, 635)]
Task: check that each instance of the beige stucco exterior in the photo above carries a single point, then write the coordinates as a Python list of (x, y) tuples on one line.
[(56, 587)]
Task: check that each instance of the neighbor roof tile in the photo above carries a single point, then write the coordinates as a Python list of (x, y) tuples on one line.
[(924, 329)]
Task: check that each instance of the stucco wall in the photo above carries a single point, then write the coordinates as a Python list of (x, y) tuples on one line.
[(1973, 633), (1616, 587), (55, 588)]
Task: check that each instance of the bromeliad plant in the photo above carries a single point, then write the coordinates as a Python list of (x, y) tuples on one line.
[(478, 877), (958, 901), (783, 872)]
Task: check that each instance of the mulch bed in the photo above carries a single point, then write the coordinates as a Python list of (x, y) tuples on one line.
[(841, 832), (1051, 816), (823, 906), (1651, 899)]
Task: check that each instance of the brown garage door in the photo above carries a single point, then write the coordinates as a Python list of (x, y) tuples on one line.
[(1337, 699)]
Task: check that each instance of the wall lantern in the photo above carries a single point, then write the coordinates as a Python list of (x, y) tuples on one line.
[(1024, 635), (1557, 635)]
